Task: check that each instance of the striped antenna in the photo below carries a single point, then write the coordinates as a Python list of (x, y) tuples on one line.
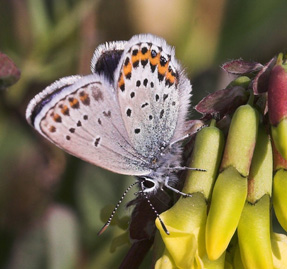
[(116, 208), (154, 210)]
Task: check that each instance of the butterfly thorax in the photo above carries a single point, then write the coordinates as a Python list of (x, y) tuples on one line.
[(163, 168)]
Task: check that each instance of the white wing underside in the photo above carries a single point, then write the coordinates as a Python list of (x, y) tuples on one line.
[(154, 108), (119, 130), (92, 129)]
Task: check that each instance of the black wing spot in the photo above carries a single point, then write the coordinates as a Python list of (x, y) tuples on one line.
[(151, 84), (129, 112), (160, 76), (122, 87), (168, 83), (85, 117), (107, 114), (136, 64), (137, 131), (144, 50), (144, 62), (68, 137), (156, 97), (135, 52), (152, 66), (145, 82), (99, 121), (138, 83), (132, 94), (144, 105), (97, 141), (150, 117), (72, 130), (161, 113), (165, 96), (127, 61), (162, 61), (129, 75), (173, 103), (79, 123)]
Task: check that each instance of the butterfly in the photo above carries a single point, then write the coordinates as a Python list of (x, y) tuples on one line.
[(128, 116)]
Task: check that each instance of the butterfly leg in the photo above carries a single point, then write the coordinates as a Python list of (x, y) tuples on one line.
[(179, 140), (181, 168), (175, 190)]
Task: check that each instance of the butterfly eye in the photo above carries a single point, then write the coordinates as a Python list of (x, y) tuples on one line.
[(148, 185)]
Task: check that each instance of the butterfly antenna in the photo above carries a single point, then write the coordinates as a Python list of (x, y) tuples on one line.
[(154, 210), (116, 208), (181, 168)]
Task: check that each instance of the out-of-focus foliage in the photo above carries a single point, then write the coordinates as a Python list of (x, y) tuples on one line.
[(50, 202)]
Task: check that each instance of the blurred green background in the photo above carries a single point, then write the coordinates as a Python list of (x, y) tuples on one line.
[(50, 202)]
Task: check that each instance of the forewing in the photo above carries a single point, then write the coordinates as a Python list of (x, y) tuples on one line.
[(81, 115), (153, 94)]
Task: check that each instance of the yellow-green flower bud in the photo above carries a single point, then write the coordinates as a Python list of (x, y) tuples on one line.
[(242, 81), (207, 153), (261, 171), (165, 262), (186, 220), (227, 202), (254, 225), (279, 134), (280, 197), (280, 188), (230, 189), (254, 234), (241, 140)]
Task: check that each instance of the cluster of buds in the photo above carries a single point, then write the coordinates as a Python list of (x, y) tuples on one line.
[(226, 223)]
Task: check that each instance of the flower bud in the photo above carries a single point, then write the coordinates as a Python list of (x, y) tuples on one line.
[(241, 140), (254, 225), (277, 104), (186, 220), (280, 188), (230, 189)]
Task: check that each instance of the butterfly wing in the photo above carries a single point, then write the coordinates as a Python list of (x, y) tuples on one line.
[(81, 115), (153, 94), (106, 58)]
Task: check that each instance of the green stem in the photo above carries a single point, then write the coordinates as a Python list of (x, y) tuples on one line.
[(212, 123), (251, 98)]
